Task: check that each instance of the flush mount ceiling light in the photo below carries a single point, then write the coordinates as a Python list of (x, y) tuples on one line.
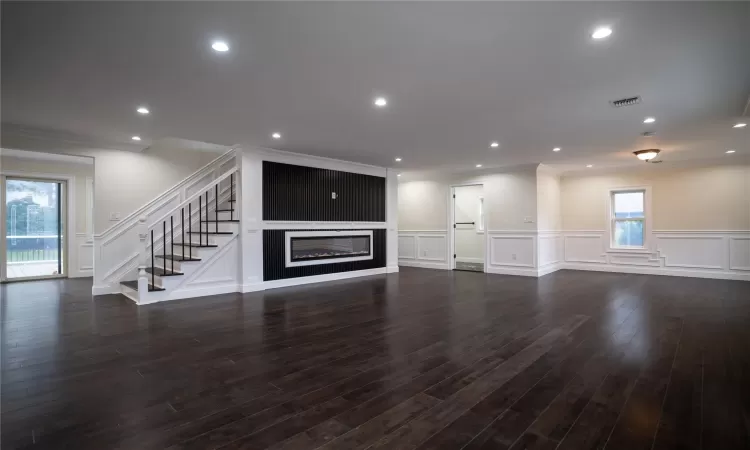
[(276, 135), (649, 120), (380, 102), (398, 159), (220, 46), (601, 33), (143, 110), (647, 154), (556, 149), (136, 138), (730, 151), (479, 165), (398, 175), (494, 145), (740, 125), (590, 166)]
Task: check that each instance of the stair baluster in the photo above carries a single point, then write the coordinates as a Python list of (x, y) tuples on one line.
[(182, 225), (171, 239), (200, 222), (164, 243), (190, 229), (207, 217), (216, 209), (231, 196), (153, 265)]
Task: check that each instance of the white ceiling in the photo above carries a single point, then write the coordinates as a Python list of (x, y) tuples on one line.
[(457, 77)]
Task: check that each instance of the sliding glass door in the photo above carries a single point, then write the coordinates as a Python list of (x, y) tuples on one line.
[(34, 228)]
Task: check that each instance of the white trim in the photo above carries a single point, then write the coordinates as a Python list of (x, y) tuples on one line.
[(289, 235), (300, 159), (512, 271), (422, 231), (43, 156), (321, 278), (723, 275), (424, 265), (470, 260)]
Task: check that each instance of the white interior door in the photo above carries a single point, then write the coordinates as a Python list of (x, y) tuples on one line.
[(468, 224)]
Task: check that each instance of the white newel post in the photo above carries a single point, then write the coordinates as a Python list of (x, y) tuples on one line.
[(143, 258)]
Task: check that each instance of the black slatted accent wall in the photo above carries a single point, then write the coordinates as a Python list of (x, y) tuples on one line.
[(303, 193), (274, 258)]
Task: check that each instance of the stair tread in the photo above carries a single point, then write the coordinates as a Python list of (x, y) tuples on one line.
[(224, 210), (211, 232), (221, 220), (134, 285), (177, 258), (195, 244), (162, 272)]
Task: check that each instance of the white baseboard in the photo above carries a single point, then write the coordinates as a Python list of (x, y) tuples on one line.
[(549, 268), (105, 289), (391, 269), (321, 278), (424, 264), (721, 275)]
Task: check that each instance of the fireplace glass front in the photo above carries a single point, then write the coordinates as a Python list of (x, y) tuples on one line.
[(313, 248)]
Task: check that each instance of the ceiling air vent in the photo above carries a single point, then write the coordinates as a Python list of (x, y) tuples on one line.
[(625, 101), (648, 134)]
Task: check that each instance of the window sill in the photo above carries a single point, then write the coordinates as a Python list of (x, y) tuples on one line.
[(628, 250)]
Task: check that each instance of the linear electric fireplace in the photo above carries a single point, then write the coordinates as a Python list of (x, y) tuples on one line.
[(306, 248)]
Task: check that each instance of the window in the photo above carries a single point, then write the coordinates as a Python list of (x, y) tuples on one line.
[(628, 218), (480, 225)]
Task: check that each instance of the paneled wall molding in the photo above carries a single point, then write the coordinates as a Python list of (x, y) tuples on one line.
[(423, 248), (693, 253)]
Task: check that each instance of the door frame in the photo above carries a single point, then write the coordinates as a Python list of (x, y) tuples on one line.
[(452, 220), (70, 222)]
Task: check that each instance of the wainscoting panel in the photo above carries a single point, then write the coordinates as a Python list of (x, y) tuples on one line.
[(550, 248), (512, 250), (301, 193), (704, 254), (423, 248), (274, 264)]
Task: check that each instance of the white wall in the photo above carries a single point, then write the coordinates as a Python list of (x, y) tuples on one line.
[(125, 180), (549, 239), (699, 216), (80, 260), (469, 239), (510, 202)]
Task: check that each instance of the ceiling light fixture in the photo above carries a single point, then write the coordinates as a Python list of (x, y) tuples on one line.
[(143, 110), (590, 166), (494, 145), (398, 175), (730, 151), (648, 154), (740, 125), (649, 120), (601, 32), (136, 138), (380, 102), (556, 149), (220, 46), (276, 135), (398, 159), (479, 165)]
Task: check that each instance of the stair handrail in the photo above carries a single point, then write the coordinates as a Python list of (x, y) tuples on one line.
[(194, 196)]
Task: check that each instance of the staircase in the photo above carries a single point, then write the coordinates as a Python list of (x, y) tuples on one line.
[(186, 240)]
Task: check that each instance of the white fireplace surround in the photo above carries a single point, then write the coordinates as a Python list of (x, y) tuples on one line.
[(325, 233)]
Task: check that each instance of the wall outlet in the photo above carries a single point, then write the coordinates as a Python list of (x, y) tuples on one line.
[(527, 220), (424, 252), (333, 195), (114, 216), (513, 256)]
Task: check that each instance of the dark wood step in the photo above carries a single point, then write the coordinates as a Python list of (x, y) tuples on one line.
[(195, 244), (134, 285), (180, 258), (162, 272), (224, 210), (220, 220)]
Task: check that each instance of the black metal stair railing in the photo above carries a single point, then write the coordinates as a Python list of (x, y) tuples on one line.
[(168, 238)]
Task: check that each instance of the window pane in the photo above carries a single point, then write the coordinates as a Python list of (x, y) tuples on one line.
[(629, 233), (628, 204)]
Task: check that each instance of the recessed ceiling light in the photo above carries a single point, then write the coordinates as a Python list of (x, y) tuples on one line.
[(730, 151), (590, 166), (220, 46), (494, 145), (398, 159), (136, 138), (479, 165), (740, 125), (556, 149), (398, 175), (143, 110), (276, 135), (649, 120), (380, 102), (601, 32)]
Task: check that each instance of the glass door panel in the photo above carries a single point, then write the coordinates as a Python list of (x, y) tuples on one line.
[(34, 229)]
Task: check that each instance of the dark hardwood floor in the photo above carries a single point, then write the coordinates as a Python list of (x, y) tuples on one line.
[(422, 359)]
